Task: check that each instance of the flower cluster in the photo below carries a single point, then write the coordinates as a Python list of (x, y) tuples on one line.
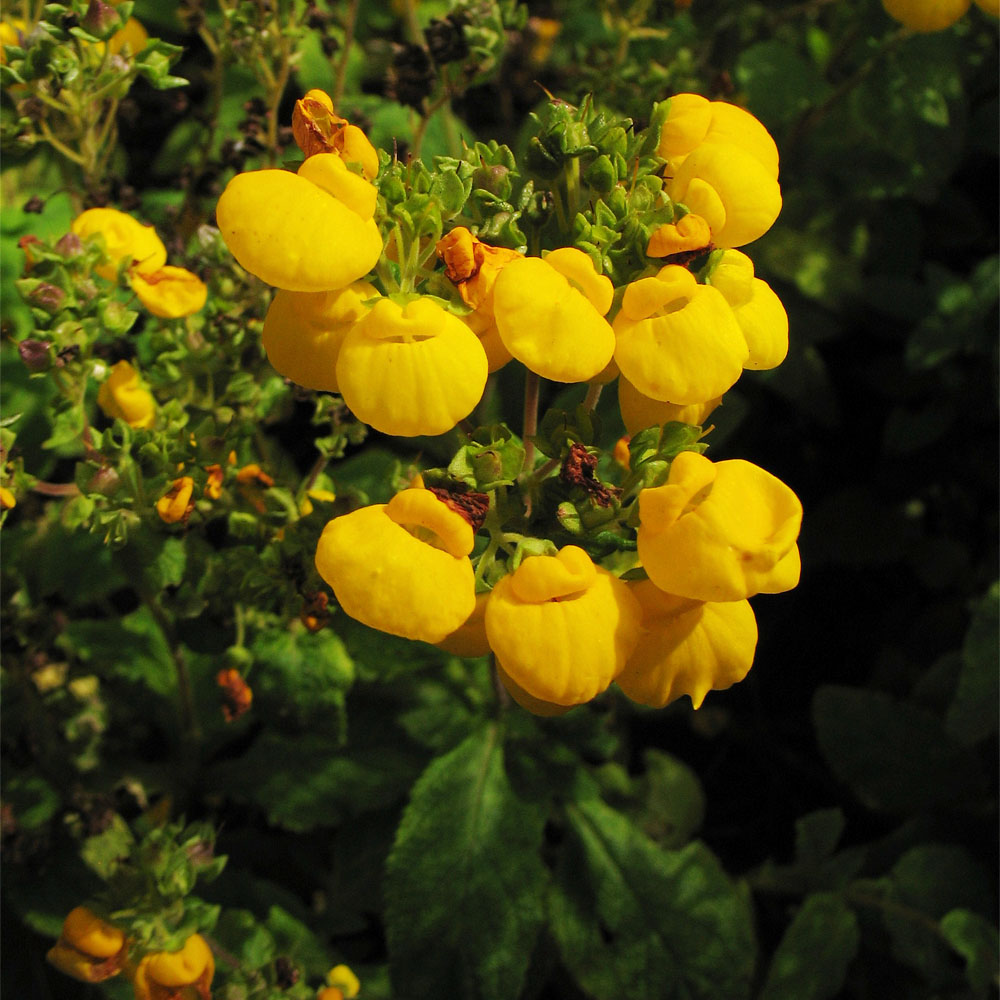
[(935, 15), (469, 561)]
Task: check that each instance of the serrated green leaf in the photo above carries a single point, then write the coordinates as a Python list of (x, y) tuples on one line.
[(972, 715), (894, 756), (464, 881), (633, 921), (812, 959), (976, 940)]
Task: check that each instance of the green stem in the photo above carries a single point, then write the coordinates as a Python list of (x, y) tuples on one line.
[(529, 426), (350, 19), (593, 395), (189, 721)]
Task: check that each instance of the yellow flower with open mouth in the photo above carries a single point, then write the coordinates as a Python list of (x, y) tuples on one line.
[(310, 231), (176, 975), (678, 341), (687, 647), (303, 332), (176, 504), (317, 128), (413, 369), (170, 292), (720, 531), (561, 627), (550, 315), (402, 567), (123, 395), (88, 949), (124, 239)]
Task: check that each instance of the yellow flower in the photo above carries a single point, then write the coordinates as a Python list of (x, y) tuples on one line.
[(690, 234), (170, 292), (402, 567), (561, 627), (342, 977), (693, 121), (550, 315), (176, 975), (546, 709), (88, 949), (12, 32), (213, 485), (7, 499), (678, 341), (639, 411), (991, 7), (318, 129), (469, 639), (303, 332), (731, 189), (306, 232), (124, 239), (687, 647), (719, 531), (926, 15), (758, 310), (122, 395), (413, 369), (473, 266), (132, 34), (175, 505)]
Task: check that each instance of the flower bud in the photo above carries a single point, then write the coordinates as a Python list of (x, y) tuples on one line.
[(35, 354), (101, 19), (47, 297)]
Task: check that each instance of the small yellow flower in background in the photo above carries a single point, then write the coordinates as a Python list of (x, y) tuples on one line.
[(621, 452), (550, 315), (342, 979), (311, 231), (12, 32), (213, 486), (730, 189), (991, 7), (689, 235), (170, 292), (469, 639), (678, 341), (561, 627), (176, 975), (88, 949), (176, 505), (720, 531), (131, 34), (413, 369), (758, 310), (122, 395), (324, 496), (7, 499), (926, 15), (124, 239), (402, 567), (639, 411), (543, 33), (318, 129), (303, 332), (473, 266), (687, 647), (236, 694)]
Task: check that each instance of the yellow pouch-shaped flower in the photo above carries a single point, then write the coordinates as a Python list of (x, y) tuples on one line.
[(303, 332), (536, 706), (757, 309), (550, 315), (688, 119), (678, 341), (733, 126), (561, 627), (170, 292), (689, 235), (687, 647), (88, 949), (469, 639), (639, 411), (733, 191), (181, 974), (719, 531), (293, 233), (122, 395), (124, 237), (411, 370), (401, 567), (926, 15)]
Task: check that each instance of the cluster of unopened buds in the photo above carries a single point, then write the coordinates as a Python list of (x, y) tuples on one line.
[(93, 950), (440, 564)]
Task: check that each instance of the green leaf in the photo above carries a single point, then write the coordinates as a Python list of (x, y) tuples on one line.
[(778, 82), (464, 881), (673, 805), (817, 835), (975, 939), (812, 960), (634, 921), (972, 715), (894, 756)]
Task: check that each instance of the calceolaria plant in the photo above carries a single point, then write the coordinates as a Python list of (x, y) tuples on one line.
[(373, 519)]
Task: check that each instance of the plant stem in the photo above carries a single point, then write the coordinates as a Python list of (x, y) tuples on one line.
[(350, 19), (529, 426), (189, 721)]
